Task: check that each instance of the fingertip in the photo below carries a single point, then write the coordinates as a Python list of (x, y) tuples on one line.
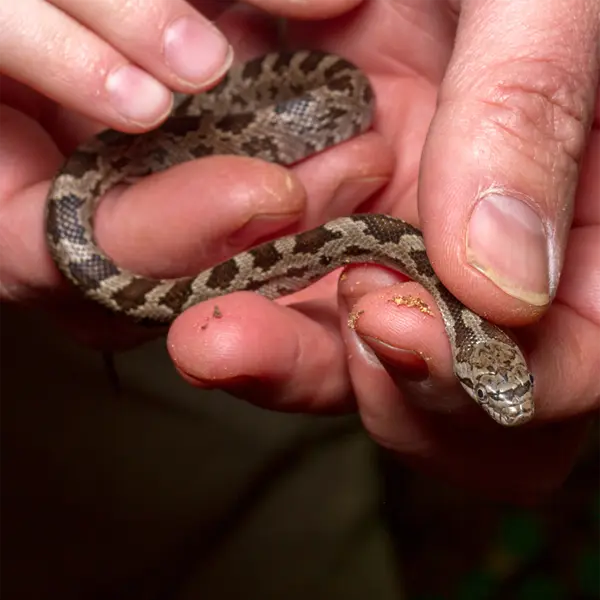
[(218, 206), (262, 352), (221, 339), (139, 100), (402, 328)]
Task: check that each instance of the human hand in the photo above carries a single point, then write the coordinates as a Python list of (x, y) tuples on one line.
[(76, 68), (516, 98)]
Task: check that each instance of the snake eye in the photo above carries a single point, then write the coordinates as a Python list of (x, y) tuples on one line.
[(480, 392)]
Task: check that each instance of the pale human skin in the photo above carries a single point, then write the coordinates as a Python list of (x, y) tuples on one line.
[(513, 142)]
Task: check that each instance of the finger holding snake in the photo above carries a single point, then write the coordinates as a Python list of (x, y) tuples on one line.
[(391, 45), (249, 199), (116, 61)]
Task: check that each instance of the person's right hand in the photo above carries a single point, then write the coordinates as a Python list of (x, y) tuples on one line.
[(70, 69)]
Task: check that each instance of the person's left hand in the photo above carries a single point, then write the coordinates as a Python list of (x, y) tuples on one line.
[(510, 117)]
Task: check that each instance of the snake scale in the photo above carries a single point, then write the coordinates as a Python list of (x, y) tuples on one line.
[(282, 107)]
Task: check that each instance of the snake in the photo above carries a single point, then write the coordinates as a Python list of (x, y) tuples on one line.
[(281, 107)]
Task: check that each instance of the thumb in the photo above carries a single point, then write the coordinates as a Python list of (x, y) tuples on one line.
[(501, 162)]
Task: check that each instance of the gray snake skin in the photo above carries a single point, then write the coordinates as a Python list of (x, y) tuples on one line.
[(281, 108)]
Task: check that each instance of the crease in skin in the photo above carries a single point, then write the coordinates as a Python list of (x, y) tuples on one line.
[(282, 108)]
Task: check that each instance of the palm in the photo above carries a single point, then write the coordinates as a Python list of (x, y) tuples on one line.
[(403, 46)]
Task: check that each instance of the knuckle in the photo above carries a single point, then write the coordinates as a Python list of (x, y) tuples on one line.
[(541, 108)]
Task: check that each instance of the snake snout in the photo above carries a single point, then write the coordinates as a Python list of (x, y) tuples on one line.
[(511, 407)]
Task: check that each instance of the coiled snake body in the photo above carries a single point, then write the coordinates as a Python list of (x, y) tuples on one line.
[(281, 108)]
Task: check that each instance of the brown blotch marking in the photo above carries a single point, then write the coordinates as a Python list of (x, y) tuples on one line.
[(308, 242), (312, 61), (367, 94), (412, 302), (384, 228), (282, 62), (422, 261), (176, 297), (201, 149), (180, 126), (80, 163), (297, 272), (159, 156), (311, 148), (237, 100), (265, 256), (338, 66), (326, 260), (254, 285), (297, 89), (120, 163), (335, 113), (62, 220), (235, 123), (341, 84), (223, 275), (91, 272), (134, 293), (111, 137), (354, 250), (184, 106), (215, 91), (52, 228), (260, 146), (252, 69)]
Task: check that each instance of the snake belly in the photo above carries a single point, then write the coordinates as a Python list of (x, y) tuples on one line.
[(282, 107)]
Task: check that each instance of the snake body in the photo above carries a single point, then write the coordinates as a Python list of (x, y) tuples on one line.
[(282, 108)]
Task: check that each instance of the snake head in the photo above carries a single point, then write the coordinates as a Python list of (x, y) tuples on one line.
[(495, 374)]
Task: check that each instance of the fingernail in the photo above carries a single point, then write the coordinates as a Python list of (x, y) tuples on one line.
[(407, 364), (137, 96), (506, 241), (261, 226), (196, 51), (352, 192)]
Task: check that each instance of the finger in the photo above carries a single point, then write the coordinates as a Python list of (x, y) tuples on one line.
[(397, 334), (249, 200), (185, 51), (500, 165), (307, 9), (142, 232), (263, 352), (340, 180), (587, 207), (60, 58), (565, 352), (27, 156)]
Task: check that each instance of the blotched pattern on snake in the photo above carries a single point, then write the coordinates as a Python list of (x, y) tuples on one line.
[(281, 108)]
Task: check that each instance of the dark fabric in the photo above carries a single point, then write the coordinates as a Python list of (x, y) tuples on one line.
[(166, 493), (169, 493)]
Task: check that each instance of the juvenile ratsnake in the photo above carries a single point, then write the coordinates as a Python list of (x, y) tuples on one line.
[(281, 108)]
